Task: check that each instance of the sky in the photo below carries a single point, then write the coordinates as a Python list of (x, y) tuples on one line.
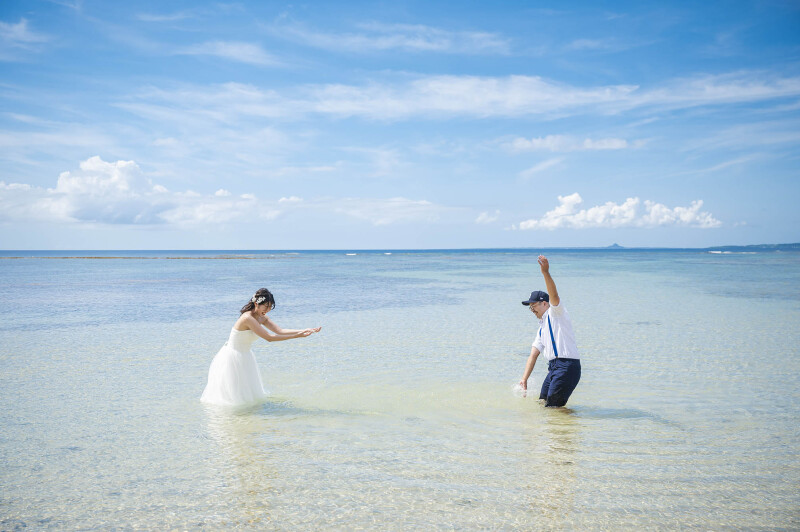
[(402, 124)]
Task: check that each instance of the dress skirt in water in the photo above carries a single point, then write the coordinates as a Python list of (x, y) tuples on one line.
[(233, 378)]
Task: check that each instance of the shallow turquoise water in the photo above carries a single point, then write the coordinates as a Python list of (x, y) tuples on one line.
[(400, 413)]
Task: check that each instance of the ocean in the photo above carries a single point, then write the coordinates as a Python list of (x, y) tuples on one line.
[(401, 413)]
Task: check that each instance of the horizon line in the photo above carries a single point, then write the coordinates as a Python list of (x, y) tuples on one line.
[(519, 248)]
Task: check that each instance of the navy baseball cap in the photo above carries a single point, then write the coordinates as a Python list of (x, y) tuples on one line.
[(537, 296)]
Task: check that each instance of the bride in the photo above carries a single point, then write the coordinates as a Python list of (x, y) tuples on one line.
[(233, 378)]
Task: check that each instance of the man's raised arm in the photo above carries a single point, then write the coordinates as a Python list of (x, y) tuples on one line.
[(548, 281)]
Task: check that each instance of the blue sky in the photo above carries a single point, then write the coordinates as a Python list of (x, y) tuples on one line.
[(318, 125)]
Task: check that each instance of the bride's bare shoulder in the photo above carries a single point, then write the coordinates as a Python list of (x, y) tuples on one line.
[(244, 322)]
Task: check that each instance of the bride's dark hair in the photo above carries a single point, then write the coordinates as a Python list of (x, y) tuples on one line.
[(260, 293)]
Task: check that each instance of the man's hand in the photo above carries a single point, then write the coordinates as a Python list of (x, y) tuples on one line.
[(544, 264), (548, 281)]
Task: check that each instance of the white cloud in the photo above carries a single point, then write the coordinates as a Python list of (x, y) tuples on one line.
[(454, 95), (202, 106), (486, 218), (608, 45), (15, 37), (377, 161), (388, 211), (103, 192), (734, 162), (14, 186), (590, 44), (99, 178), (751, 135), (613, 215), (234, 51), (442, 96), (542, 166), (217, 210), (166, 142), (180, 15), (604, 144), (69, 138), (737, 87), (432, 96), (374, 37), (562, 143), (301, 170), (117, 193), (77, 5), (427, 96)]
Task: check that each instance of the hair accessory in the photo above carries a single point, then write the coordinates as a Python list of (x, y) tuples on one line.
[(259, 300)]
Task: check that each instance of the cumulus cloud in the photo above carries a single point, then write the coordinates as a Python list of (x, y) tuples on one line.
[(110, 193), (631, 213), (567, 143), (107, 193), (22, 202), (100, 178), (119, 192)]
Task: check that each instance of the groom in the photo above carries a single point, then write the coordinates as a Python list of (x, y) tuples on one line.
[(556, 340)]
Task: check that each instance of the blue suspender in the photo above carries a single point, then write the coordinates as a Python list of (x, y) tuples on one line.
[(552, 338)]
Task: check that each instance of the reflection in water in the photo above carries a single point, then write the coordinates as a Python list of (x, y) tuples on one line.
[(554, 438), (624, 413), (246, 474)]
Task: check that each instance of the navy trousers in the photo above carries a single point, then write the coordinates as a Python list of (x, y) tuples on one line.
[(563, 375)]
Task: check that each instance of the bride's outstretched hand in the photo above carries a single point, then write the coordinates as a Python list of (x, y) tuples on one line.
[(307, 332)]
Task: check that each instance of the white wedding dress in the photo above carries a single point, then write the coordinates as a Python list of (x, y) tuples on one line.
[(233, 378)]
